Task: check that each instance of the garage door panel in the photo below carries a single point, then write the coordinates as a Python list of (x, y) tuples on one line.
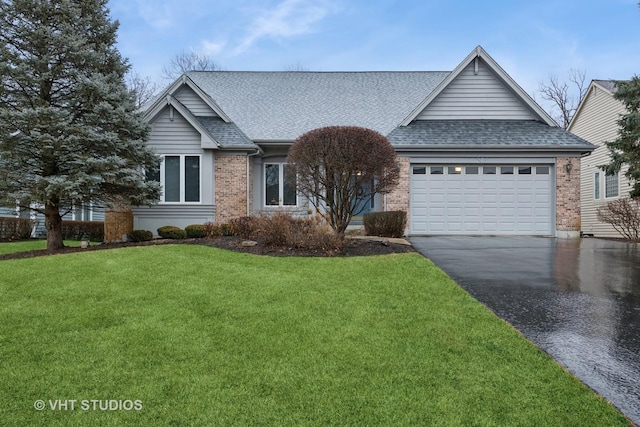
[(518, 203)]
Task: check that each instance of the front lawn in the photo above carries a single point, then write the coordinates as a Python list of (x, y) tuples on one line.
[(31, 245), (203, 336)]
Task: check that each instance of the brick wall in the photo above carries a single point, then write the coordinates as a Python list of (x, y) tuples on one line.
[(567, 197), (231, 186), (398, 199), (118, 221)]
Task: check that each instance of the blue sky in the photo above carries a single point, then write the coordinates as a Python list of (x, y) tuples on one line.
[(529, 39)]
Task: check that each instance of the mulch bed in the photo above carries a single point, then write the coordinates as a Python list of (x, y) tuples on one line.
[(352, 247)]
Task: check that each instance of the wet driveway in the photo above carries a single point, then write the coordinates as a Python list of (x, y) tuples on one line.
[(579, 300)]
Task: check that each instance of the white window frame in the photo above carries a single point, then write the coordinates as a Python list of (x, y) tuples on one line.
[(617, 178), (281, 174), (78, 211), (182, 180), (597, 185)]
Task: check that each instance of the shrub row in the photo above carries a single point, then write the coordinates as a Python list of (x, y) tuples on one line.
[(385, 224), (15, 229), (171, 232), (140, 236), (83, 230)]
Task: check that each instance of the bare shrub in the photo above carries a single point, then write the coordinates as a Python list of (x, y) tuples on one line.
[(242, 226), (623, 215), (312, 234)]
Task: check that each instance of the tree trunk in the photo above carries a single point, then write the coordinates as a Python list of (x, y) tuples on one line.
[(53, 224)]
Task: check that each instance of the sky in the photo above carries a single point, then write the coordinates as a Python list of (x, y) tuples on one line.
[(531, 40)]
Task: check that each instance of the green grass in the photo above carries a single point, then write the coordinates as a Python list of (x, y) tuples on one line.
[(203, 336), (31, 245)]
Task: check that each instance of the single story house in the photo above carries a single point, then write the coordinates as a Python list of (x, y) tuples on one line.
[(596, 120), (478, 155)]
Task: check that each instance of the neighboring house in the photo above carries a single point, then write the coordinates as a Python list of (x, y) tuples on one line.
[(85, 212), (477, 154), (596, 120)]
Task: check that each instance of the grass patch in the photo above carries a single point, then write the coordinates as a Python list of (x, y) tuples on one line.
[(32, 245), (203, 336)]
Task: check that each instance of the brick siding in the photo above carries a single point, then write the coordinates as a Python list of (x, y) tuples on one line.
[(118, 221), (398, 199), (567, 194), (231, 186)]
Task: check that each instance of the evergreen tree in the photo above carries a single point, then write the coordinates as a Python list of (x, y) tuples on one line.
[(69, 133), (626, 148)]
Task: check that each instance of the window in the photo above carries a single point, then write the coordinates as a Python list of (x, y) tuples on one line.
[(419, 170), (611, 185), (280, 186), (454, 170), (180, 179), (82, 212), (506, 170), (471, 170), (596, 185), (437, 170), (489, 170), (542, 170), (524, 170)]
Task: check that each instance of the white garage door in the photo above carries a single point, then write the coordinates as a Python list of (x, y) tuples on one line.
[(481, 199)]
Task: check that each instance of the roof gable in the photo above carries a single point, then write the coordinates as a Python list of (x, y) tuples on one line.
[(461, 95), (596, 88)]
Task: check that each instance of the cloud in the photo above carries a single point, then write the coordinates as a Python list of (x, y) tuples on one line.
[(212, 48), (289, 18)]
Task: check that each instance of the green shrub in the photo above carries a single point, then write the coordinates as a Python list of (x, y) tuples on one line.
[(385, 224), (194, 231), (15, 229), (171, 232), (83, 230), (140, 236), (243, 227)]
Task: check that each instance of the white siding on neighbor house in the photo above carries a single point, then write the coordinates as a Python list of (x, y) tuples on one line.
[(597, 122), (193, 102), (476, 96)]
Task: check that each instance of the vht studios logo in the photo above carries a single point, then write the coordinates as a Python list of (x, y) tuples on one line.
[(88, 405)]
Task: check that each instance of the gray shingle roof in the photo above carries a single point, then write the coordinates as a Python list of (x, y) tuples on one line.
[(280, 106), (609, 85), (228, 135), (485, 133)]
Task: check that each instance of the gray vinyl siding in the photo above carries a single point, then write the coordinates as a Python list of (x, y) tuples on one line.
[(175, 136), (193, 102), (481, 96), (152, 218), (596, 123), (7, 212)]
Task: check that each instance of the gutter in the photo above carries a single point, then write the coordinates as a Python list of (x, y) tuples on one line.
[(258, 151)]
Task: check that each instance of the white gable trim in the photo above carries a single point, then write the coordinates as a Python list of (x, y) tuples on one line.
[(175, 86), (206, 139), (590, 90), (479, 52)]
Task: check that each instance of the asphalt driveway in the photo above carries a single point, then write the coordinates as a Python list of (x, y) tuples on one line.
[(579, 300)]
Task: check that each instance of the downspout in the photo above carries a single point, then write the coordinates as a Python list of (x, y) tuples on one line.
[(258, 151)]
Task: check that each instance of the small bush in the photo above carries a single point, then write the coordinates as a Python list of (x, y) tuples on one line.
[(623, 215), (385, 224), (226, 229), (140, 236), (211, 230), (15, 229), (313, 234), (243, 227), (83, 230), (194, 231), (171, 232)]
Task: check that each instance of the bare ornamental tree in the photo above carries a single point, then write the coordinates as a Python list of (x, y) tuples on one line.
[(189, 61), (565, 97)]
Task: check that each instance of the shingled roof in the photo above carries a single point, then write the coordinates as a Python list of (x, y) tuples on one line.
[(485, 134), (280, 106)]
